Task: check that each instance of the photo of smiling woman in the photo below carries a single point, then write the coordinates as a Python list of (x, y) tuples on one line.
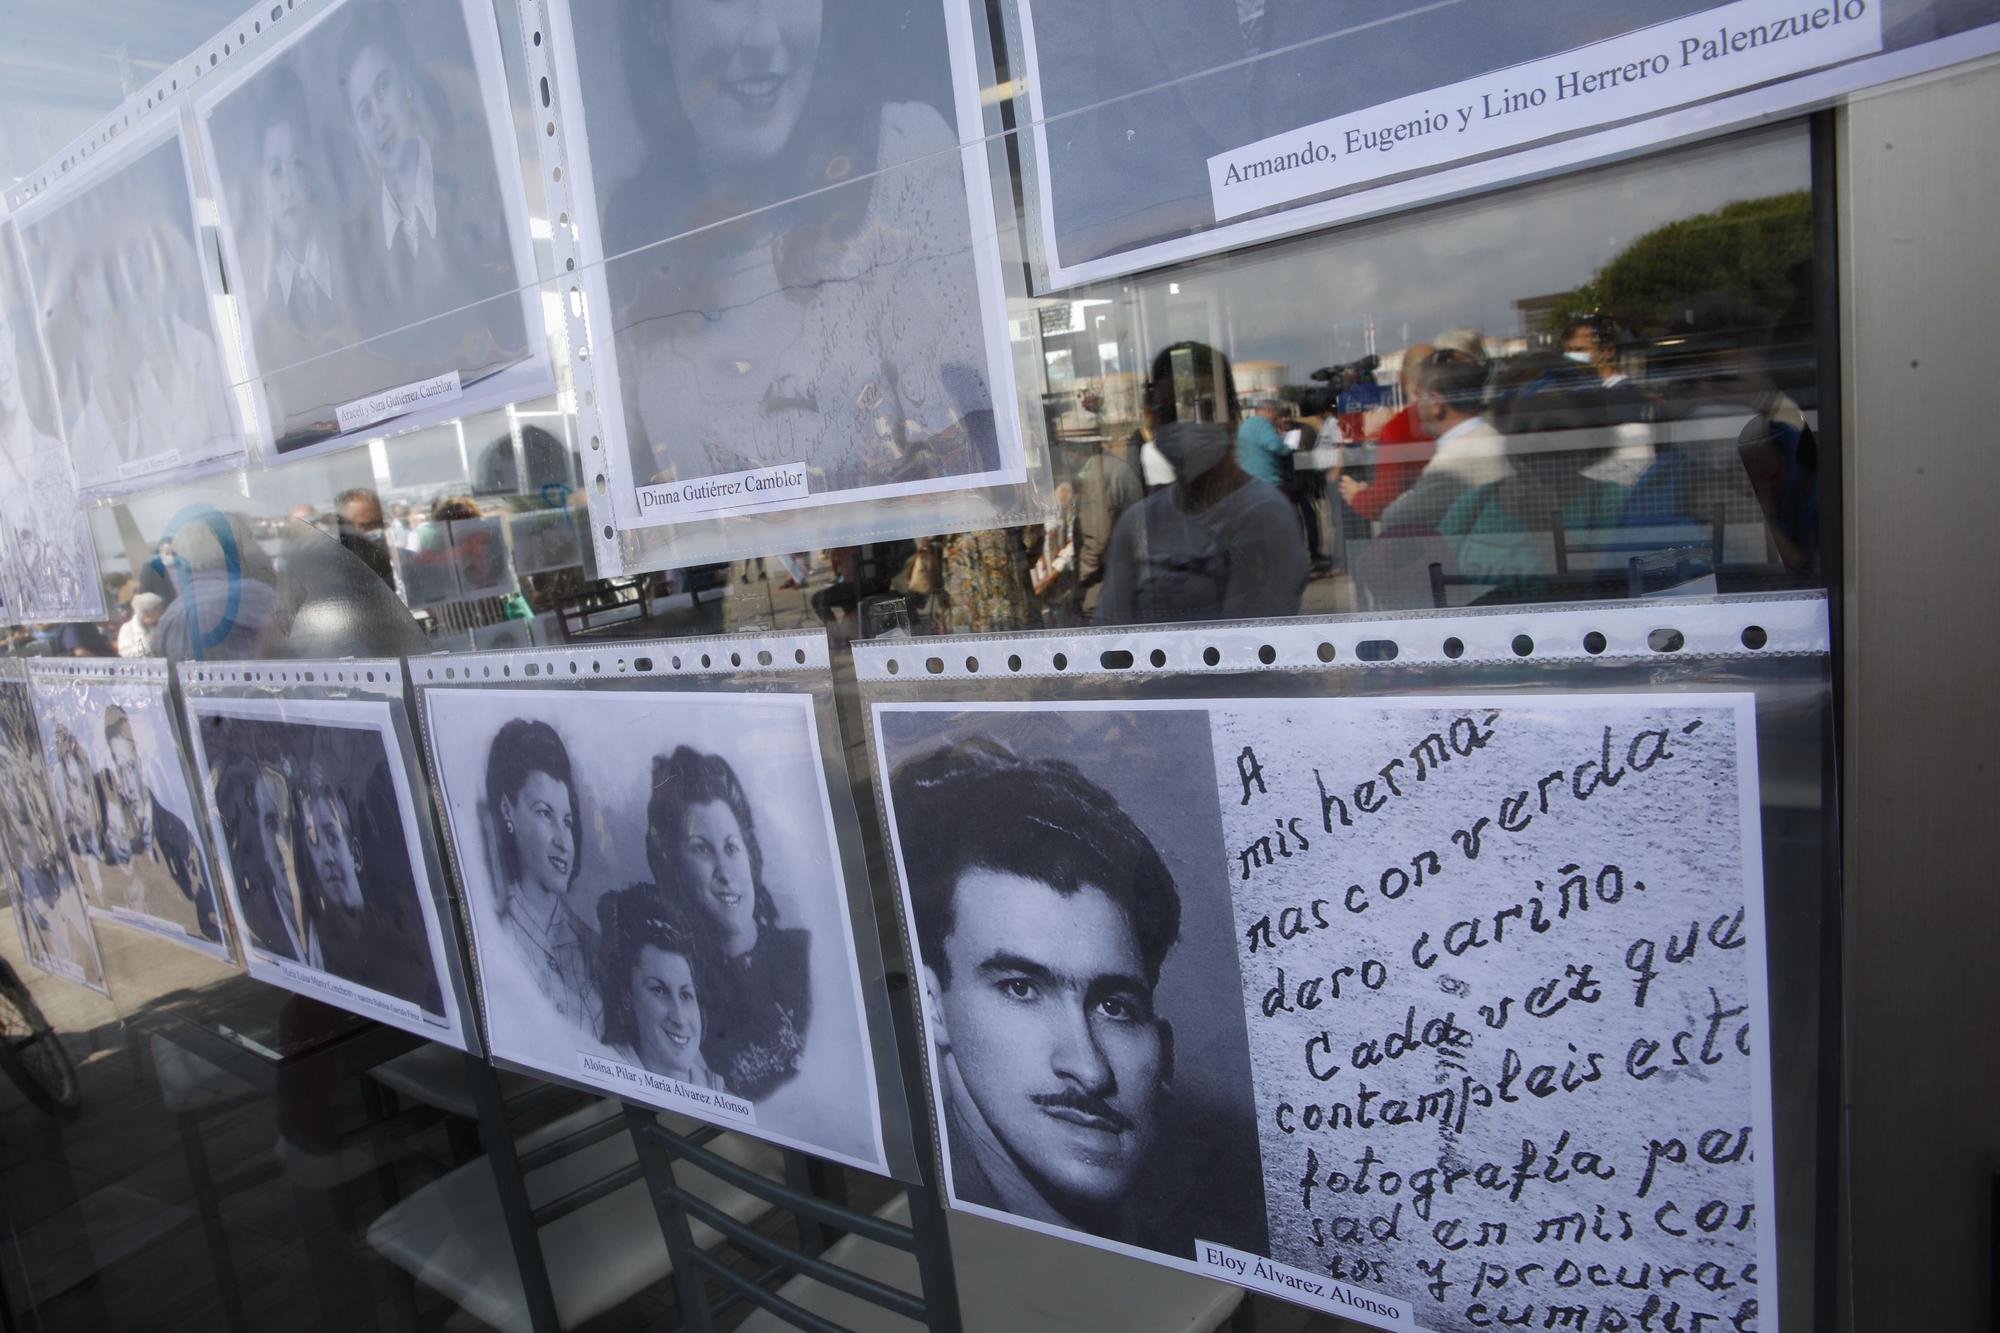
[(669, 903), (652, 987), (533, 813), (701, 842), (790, 261)]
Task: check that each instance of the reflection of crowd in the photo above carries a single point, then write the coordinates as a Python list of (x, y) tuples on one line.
[(1552, 475), (690, 975), (316, 841)]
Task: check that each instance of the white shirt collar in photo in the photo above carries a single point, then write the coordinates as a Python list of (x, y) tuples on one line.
[(316, 268), (423, 208)]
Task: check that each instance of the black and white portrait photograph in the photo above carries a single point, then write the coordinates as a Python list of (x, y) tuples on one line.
[(315, 819), (371, 187), (800, 263), (657, 908), (51, 562), (113, 760), (1274, 989), (55, 926), (1080, 985), (125, 300)]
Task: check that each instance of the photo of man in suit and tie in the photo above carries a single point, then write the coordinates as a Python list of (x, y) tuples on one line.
[(371, 189)]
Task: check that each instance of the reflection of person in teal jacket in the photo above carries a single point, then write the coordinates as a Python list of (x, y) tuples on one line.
[(1505, 532), (1260, 451)]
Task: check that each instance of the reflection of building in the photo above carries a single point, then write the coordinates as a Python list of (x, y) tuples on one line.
[(1254, 379)]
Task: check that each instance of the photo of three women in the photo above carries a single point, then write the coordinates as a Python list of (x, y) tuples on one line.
[(691, 974)]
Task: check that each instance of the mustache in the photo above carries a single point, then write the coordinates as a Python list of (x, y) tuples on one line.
[(1073, 1099)]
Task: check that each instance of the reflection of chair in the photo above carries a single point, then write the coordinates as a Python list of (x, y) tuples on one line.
[(194, 1090), (607, 602), (906, 1266), (1073, 1287), (438, 1078), (1651, 556), (595, 1240)]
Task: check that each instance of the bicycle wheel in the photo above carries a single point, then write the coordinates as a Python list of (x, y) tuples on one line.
[(30, 1051)]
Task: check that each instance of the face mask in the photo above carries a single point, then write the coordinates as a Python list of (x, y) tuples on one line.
[(1191, 448), (1581, 358)]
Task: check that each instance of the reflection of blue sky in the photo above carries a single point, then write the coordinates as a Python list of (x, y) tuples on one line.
[(66, 63), (1303, 303)]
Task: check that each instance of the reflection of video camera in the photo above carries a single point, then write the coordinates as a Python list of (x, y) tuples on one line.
[(1316, 400), (1339, 379)]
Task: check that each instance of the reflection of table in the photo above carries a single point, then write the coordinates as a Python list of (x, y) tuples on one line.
[(629, 603), (293, 1062)]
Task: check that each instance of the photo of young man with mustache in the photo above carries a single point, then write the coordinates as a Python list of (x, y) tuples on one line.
[(1044, 915)]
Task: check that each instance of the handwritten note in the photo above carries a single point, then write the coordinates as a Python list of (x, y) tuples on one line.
[(1503, 975)]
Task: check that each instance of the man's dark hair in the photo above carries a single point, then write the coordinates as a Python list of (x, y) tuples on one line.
[(1603, 329), (1191, 375), (975, 805), (375, 24), (1456, 378), (285, 104)]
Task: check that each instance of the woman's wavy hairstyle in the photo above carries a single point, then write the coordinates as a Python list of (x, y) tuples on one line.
[(629, 920), (521, 748), (682, 780)]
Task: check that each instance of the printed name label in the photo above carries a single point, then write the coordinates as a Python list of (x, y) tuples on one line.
[(346, 993), (398, 402), (139, 467), (733, 490), (624, 1078), (1702, 56), (1295, 1284)]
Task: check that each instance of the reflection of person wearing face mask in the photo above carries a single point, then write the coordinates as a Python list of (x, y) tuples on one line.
[(653, 973), (701, 844), (1217, 544), (828, 316), (536, 818)]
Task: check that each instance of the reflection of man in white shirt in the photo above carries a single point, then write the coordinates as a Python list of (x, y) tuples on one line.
[(382, 100)]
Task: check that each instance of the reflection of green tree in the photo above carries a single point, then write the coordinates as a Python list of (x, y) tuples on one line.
[(1747, 249)]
